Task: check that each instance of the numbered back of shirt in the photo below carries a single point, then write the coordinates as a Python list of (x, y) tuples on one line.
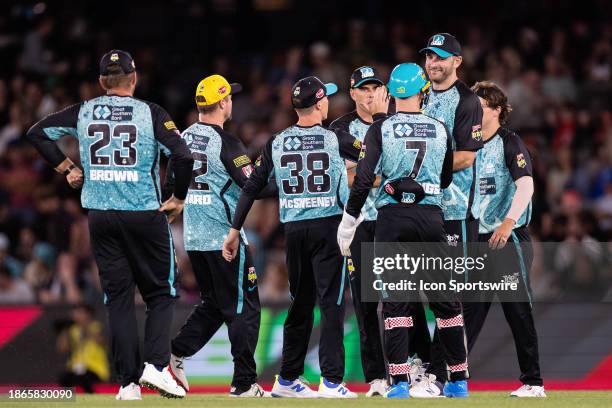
[(413, 145), (119, 154), (212, 196), (310, 173)]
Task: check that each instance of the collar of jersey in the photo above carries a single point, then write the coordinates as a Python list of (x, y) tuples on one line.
[(497, 133), (307, 127), (365, 122), (444, 90), (210, 124)]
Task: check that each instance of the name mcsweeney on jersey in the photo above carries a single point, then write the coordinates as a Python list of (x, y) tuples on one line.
[(308, 202)]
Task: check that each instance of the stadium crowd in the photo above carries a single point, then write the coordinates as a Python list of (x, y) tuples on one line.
[(557, 75)]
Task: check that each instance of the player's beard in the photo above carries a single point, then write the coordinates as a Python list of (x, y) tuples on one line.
[(442, 72)]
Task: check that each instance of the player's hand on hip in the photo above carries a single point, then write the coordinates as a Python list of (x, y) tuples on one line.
[(172, 207), (230, 244), (75, 178), (346, 232), (502, 234)]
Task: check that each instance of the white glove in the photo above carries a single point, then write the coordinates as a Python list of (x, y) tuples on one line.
[(346, 232)]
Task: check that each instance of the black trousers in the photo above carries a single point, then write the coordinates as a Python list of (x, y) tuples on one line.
[(372, 358), (517, 314), (229, 295), (418, 223), (316, 272), (459, 235), (134, 248)]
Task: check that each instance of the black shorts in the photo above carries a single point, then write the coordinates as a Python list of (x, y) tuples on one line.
[(410, 223), (133, 246), (229, 286)]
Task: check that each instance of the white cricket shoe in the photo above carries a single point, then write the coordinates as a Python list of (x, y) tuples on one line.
[(529, 391), (177, 371), (130, 392), (292, 389), (328, 389), (161, 381), (377, 387), (426, 387), (254, 392)]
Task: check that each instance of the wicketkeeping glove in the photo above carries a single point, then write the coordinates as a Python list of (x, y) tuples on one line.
[(346, 232)]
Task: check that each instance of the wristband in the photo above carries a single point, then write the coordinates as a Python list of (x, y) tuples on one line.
[(69, 169)]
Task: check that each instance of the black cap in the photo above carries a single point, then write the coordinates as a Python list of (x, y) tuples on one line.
[(117, 57), (365, 75), (308, 91), (443, 44)]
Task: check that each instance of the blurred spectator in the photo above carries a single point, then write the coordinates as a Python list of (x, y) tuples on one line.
[(558, 80), (84, 343), (13, 290)]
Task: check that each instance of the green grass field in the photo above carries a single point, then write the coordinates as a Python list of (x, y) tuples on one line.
[(556, 399)]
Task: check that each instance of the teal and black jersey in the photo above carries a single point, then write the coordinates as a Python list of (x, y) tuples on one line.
[(308, 164), (459, 108), (221, 167), (404, 145), (505, 159), (120, 140), (357, 127)]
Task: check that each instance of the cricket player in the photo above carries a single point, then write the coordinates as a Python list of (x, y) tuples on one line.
[(452, 102), (228, 290), (120, 140), (423, 160), (506, 188), (364, 83), (308, 163)]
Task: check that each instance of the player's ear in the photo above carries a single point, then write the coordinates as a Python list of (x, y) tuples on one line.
[(458, 59)]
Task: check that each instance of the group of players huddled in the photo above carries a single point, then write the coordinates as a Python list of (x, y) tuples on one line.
[(439, 168)]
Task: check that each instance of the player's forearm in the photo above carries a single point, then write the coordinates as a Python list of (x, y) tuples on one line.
[(522, 197), (46, 147), (245, 202), (463, 160), (351, 179), (168, 187), (270, 190), (182, 165)]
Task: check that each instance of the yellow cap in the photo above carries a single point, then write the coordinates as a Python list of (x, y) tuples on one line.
[(213, 88)]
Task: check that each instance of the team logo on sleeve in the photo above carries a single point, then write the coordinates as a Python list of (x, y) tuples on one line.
[(170, 125), (520, 160), (477, 132), (252, 276), (357, 144), (258, 161), (362, 153), (247, 170), (241, 160)]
